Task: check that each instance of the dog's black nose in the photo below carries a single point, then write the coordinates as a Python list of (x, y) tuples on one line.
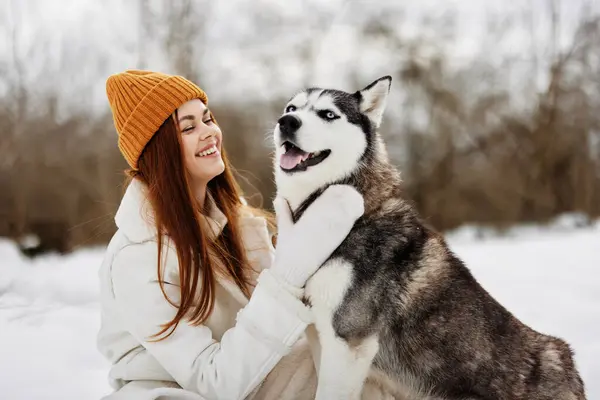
[(288, 125)]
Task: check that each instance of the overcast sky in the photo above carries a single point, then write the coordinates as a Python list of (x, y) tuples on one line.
[(76, 44)]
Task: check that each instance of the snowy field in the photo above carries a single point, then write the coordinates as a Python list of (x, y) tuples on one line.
[(549, 277)]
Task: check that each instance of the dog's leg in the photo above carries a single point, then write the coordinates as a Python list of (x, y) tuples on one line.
[(343, 365)]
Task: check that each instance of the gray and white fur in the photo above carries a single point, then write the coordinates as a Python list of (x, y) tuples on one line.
[(393, 304)]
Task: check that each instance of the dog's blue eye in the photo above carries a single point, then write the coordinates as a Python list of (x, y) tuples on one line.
[(290, 108), (327, 114)]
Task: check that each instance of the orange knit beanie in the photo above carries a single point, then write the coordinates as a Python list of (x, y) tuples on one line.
[(141, 101)]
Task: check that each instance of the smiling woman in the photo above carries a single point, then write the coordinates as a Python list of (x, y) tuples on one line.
[(201, 140), (196, 303)]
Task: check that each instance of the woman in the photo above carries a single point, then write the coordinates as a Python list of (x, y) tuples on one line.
[(220, 316)]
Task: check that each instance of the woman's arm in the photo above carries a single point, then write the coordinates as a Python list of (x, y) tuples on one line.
[(266, 328)]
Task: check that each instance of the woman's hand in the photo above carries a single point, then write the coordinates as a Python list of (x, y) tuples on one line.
[(304, 246)]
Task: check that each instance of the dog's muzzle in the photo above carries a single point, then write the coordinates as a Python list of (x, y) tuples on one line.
[(288, 126)]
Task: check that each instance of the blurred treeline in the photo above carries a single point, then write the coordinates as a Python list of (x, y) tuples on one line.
[(473, 147)]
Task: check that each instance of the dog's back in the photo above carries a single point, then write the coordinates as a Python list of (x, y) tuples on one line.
[(439, 331)]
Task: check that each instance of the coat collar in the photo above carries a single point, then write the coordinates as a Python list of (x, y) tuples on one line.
[(135, 216)]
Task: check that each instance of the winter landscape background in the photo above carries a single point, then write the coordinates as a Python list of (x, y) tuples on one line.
[(49, 312), (493, 119)]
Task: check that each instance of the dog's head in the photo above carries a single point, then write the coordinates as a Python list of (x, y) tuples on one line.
[(324, 136)]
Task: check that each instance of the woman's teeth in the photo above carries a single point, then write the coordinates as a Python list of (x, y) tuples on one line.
[(207, 152)]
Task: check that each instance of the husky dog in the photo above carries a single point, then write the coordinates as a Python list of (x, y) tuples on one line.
[(393, 304)]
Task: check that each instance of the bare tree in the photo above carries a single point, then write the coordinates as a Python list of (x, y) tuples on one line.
[(146, 18), (185, 39)]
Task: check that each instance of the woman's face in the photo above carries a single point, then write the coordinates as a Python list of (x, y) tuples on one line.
[(201, 138)]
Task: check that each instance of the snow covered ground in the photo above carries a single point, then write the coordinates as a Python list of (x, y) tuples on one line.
[(549, 277)]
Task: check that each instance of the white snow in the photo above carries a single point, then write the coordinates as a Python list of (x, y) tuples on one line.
[(49, 316), (548, 276)]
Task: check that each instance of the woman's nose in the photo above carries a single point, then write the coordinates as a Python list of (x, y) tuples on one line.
[(208, 134)]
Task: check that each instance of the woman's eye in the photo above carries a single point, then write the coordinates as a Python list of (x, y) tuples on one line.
[(290, 108), (187, 129)]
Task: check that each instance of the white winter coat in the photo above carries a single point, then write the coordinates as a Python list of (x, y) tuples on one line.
[(248, 348)]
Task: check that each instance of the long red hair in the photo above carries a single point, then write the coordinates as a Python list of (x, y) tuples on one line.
[(177, 215)]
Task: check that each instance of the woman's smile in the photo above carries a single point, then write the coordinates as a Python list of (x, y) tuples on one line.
[(210, 151)]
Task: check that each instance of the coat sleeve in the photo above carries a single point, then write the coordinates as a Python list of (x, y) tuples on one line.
[(265, 328)]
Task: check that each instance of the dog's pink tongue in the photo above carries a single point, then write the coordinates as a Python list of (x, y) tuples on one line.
[(290, 159)]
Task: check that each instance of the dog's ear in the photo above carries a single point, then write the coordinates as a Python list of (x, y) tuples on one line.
[(373, 99)]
